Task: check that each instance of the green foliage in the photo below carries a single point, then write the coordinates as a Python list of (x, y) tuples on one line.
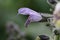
[(8, 11)]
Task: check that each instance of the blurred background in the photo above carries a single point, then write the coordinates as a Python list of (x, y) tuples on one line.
[(8, 12)]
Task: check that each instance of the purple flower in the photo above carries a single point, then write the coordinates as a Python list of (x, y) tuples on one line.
[(24, 11), (33, 15)]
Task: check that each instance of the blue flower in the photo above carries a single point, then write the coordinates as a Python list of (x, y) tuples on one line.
[(33, 15)]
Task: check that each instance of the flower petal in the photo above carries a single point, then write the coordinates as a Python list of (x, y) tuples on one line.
[(27, 22)]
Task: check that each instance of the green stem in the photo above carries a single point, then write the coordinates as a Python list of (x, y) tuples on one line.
[(57, 37)]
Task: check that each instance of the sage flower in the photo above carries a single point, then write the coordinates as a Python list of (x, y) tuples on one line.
[(13, 31), (33, 15), (42, 37)]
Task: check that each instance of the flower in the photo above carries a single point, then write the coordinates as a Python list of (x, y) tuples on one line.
[(33, 15)]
